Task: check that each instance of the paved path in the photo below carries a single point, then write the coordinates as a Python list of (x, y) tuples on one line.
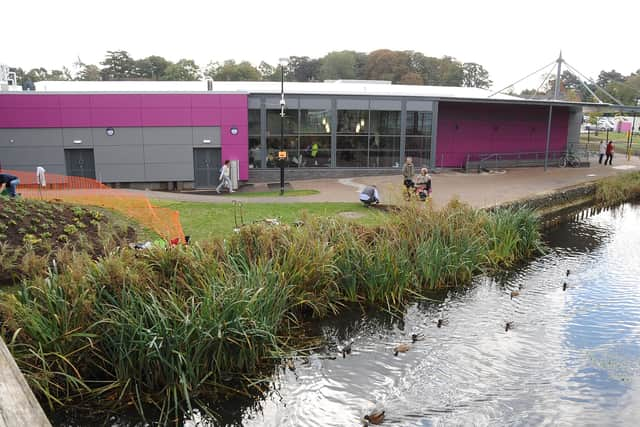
[(480, 190)]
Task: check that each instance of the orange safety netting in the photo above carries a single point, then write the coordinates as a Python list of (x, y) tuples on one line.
[(86, 191)]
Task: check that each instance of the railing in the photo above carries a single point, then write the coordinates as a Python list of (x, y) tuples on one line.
[(482, 161)]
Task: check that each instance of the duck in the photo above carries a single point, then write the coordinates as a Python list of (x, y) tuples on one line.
[(440, 322), (507, 326), (375, 417), (564, 286), (515, 294), (416, 337), (346, 349), (401, 348), (568, 272)]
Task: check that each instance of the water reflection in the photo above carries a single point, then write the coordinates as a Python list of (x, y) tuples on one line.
[(572, 357)]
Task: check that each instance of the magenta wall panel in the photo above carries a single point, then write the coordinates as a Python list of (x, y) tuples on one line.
[(115, 117), (205, 101), (166, 116), (116, 101), (75, 117), (166, 101), (75, 101), (496, 128), (205, 116)]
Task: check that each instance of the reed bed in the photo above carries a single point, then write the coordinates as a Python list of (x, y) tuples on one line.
[(173, 328), (618, 189)]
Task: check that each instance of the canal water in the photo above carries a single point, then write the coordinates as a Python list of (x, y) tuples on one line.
[(571, 357)]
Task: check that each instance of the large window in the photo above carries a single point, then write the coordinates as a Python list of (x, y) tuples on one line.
[(255, 148), (418, 141), (274, 143), (368, 139)]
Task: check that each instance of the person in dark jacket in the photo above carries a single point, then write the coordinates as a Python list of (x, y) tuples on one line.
[(10, 182), (369, 195)]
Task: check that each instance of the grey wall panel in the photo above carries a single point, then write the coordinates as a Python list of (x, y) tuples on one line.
[(353, 104), (123, 136), (70, 137), (119, 172), (273, 103), (168, 136), (386, 105), (254, 102), (167, 154), (201, 134), (126, 155), (419, 105), (173, 171), (40, 156), (315, 103), (31, 137)]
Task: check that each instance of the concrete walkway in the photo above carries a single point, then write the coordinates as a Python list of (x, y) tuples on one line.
[(477, 189)]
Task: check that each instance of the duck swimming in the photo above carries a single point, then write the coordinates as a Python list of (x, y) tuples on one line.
[(375, 417), (515, 294), (507, 326), (564, 286), (440, 323), (346, 349), (401, 348)]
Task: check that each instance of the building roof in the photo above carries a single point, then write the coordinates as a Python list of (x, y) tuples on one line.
[(338, 87)]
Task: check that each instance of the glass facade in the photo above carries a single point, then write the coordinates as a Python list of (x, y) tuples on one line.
[(364, 138), (418, 139)]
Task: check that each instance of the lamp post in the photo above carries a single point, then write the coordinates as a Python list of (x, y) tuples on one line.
[(282, 155)]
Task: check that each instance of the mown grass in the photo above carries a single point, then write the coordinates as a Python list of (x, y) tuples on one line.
[(174, 327), (618, 189), (274, 193), (204, 221)]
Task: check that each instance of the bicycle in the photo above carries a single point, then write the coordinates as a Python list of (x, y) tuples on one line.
[(569, 159)]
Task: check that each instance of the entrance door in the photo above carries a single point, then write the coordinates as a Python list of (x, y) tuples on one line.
[(206, 163), (80, 162)]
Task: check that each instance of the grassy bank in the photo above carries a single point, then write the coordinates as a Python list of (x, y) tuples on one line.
[(618, 189), (173, 327), (204, 221)]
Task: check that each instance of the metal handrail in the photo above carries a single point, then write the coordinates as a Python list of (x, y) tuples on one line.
[(485, 159)]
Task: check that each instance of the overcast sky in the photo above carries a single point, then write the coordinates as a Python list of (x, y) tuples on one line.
[(509, 38)]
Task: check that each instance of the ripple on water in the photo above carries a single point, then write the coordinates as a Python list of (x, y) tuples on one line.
[(572, 357)]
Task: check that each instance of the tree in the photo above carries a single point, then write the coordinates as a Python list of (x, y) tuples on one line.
[(303, 69), (230, 71), (385, 64), (606, 77), (411, 78), (118, 65), (268, 72), (183, 70), (152, 67), (89, 72), (339, 65), (474, 75), (451, 72)]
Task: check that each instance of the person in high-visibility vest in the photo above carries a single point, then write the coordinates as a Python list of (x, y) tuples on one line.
[(314, 153)]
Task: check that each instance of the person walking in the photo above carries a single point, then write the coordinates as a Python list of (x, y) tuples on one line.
[(408, 173), (602, 151), (225, 177), (610, 150), (10, 182)]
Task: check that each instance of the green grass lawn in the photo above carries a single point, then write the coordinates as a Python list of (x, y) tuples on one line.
[(205, 220), (287, 193)]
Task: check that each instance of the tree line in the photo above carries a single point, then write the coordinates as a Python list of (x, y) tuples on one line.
[(403, 67), (626, 89)]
